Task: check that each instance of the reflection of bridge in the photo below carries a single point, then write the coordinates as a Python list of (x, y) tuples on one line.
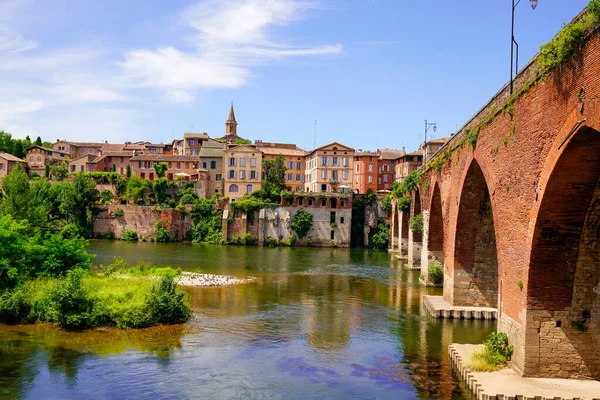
[(511, 208)]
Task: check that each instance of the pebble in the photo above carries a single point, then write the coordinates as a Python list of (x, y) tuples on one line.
[(194, 279)]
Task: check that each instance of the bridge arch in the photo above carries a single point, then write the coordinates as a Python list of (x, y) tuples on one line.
[(435, 231), (475, 264), (563, 279), (415, 238)]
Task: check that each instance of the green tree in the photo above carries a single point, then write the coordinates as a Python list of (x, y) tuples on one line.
[(17, 196), (38, 141), (77, 201), (274, 182), (302, 222), (47, 171), (160, 169), (136, 189), (128, 171), (114, 168), (59, 171), (18, 149), (160, 189)]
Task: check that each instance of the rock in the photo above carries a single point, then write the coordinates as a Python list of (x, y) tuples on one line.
[(195, 279)]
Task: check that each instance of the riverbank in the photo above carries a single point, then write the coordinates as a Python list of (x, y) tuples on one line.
[(195, 280)]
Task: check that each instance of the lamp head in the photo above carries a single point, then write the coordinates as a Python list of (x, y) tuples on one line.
[(434, 127), (533, 3)]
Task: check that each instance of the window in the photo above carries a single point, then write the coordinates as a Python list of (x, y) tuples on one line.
[(370, 167), (323, 160), (357, 167), (204, 164), (310, 202), (73, 168), (192, 141), (253, 175), (143, 175), (170, 176), (242, 174), (323, 187), (178, 165), (334, 161), (341, 219), (81, 169), (142, 164), (31, 159), (356, 178), (242, 162), (253, 162), (345, 161), (170, 164), (385, 178), (218, 177), (323, 202), (332, 217), (233, 188), (334, 175), (379, 181), (151, 176), (231, 174), (90, 151), (39, 159), (332, 235), (231, 162), (300, 201), (370, 179), (345, 175), (213, 165), (370, 159), (248, 188), (323, 174)]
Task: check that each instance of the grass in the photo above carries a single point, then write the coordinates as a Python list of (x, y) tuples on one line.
[(87, 300), (480, 361)]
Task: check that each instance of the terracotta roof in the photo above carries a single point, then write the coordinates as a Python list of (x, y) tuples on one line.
[(440, 140), (391, 154), (365, 154), (211, 151), (415, 153), (195, 135), (10, 157), (112, 147), (284, 152), (41, 147), (91, 158), (164, 157), (86, 144), (331, 144)]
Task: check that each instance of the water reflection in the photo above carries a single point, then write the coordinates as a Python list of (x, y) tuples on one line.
[(330, 322)]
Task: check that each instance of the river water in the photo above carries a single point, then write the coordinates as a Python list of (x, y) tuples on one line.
[(317, 323)]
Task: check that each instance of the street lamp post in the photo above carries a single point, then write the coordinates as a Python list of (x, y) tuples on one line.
[(513, 42), (427, 126)]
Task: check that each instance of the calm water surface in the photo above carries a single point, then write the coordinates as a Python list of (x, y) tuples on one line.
[(318, 323)]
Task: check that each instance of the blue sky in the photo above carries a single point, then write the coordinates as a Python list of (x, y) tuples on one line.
[(369, 71)]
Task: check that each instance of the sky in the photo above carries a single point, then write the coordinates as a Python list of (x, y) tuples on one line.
[(369, 72)]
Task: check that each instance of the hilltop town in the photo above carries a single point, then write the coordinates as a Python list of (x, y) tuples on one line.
[(230, 165)]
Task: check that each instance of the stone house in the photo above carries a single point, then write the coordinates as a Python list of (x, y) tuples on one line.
[(294, 162), (407, 164), (211, 159), (38, 157), (386, 170), (192, 143), (179, 167), (242, 167), (8, 162), (329, 168), (365, 171)]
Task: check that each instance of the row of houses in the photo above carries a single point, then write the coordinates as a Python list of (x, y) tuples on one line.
[(232, 166)]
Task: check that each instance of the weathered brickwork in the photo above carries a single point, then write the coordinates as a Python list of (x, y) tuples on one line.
[(538, 164), (141, 219)]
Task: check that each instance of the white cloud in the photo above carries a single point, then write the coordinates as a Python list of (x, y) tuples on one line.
[(229, 36), (13, 41)]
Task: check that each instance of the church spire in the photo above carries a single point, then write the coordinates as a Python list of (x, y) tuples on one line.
[(231, 124)]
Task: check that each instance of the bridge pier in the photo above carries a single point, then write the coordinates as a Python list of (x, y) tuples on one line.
[(414, 250)]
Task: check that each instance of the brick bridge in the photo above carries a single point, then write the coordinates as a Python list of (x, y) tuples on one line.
[(511, 209)]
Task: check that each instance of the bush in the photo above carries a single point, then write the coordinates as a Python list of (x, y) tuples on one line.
[(379, 236), (495, 354), (106, 196), (130, 236), (415, 223), (435, 273), (161, 233), (167, 305), (119, 212), (302, 222), (386, 204)]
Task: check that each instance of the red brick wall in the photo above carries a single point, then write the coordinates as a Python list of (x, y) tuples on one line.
[(539, 182)]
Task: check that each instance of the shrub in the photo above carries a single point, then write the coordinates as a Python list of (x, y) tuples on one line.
[(435, 273), (129, 236), (404, 204), (302, 222), (386, 204), (415, 223), (379, 236), (496, 352), (119, 212), (167, 305), (161, 233), (106, 196)]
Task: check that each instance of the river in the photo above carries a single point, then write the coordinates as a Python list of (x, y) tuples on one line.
[(317, 323)]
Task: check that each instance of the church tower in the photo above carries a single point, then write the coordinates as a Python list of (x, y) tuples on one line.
[(231, 125)]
